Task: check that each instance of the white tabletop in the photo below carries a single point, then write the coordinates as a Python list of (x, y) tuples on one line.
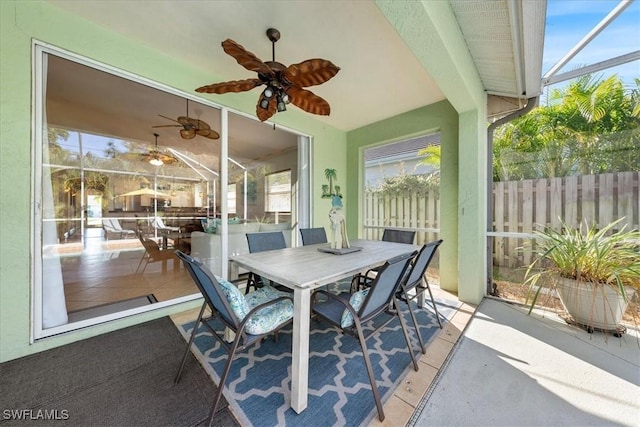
[(307, 267)]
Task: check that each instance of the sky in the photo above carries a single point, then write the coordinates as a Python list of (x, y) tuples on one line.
[(569, 21)]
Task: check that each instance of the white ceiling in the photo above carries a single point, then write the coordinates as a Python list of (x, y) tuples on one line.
[(379, 77), (352, 34)]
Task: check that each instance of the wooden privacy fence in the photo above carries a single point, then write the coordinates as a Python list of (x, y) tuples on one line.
[(417, 212), (527, 205), (519, 207)]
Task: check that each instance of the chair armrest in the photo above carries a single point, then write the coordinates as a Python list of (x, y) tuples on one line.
[(343, 302)]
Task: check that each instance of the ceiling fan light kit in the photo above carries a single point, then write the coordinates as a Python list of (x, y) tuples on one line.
[(284, 85), (191, 127), (158, 158)]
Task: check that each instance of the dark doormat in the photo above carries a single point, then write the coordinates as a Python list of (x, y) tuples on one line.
[(122, 378)]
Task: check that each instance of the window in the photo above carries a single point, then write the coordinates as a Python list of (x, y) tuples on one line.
[(278, 191), (231, 198)]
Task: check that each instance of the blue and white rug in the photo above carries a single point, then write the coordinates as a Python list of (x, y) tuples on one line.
[(258, 386)]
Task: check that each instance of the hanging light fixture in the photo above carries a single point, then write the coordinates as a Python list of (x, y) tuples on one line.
[(158, 158), (154, 155)]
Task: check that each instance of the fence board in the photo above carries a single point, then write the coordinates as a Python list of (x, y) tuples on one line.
[(625, 197), (498, 242), (605, 199), (527, 213), (555, 203), (571, 201), (541, 214), (589, 199)]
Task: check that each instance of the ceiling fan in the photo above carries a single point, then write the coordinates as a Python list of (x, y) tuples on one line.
[(284, 84), (157, 157), (191, 127)]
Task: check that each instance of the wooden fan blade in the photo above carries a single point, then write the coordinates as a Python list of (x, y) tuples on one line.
[(188, 133), (196, 124), (265, 114), (245, 58), (308, 101), (311, 72), (200, 124), (186, 122), (167, 160), (208, 133), (230, 86), (168, 118), (166, 126)]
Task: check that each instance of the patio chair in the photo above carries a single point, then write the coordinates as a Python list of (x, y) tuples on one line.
[(313, 236), (389, 235), (350, 311), (153, 253), (260, 242), (415, 283), (398, 236), (251, 317), (159, 225), (112, 225)]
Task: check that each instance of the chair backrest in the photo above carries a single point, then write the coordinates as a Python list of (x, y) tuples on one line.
[(384, 286), (420, 264), (116, 224), (108, 224), (266, 241), (210, 289), (398, 236), (158, 223), (313, 236), (151, 246)]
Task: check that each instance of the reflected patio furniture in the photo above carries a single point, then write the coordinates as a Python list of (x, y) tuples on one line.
[(159, 225), (350, 312), (167, 232), (112, 225), (260, 242), (153, 253), (313, 236), (250, 317)]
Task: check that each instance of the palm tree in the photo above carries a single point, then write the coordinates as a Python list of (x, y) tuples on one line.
[(591, 126), (433, 156), (330, 174)]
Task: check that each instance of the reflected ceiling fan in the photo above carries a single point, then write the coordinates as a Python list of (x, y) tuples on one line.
[(284, 84), (157, 157), (191, 127)]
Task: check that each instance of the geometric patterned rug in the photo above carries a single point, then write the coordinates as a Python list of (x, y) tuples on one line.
[(258, 386)]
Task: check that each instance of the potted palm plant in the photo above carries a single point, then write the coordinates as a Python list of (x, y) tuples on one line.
[(595, 272)]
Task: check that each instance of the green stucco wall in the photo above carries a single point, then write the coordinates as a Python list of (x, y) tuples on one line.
[(440, 117), (22, 21), (429, 30)]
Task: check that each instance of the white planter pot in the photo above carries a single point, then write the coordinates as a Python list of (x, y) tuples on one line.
[(593, 306)]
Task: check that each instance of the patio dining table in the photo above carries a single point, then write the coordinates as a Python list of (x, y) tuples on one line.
[(304, 269)]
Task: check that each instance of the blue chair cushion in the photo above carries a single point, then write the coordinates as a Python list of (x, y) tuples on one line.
[(356, 300), (235, 298), (264, 320), (270, 317)]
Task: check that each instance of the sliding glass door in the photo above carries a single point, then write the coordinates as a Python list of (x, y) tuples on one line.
[(125, 170)]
